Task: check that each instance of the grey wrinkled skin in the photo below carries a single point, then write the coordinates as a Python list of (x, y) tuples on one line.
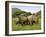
[(32, 19), (23, 20)]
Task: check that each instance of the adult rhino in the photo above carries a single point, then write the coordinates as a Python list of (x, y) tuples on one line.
[(23, 19), (32, 19)]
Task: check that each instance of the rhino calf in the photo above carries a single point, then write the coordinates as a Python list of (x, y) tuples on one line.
[(17, 20)]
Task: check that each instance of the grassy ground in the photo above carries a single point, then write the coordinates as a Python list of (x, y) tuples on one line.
[(25, 27)]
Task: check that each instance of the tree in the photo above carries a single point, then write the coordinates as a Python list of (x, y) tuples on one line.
[(17, 12)]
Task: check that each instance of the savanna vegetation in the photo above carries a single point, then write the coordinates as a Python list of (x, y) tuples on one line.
[(22, 24)]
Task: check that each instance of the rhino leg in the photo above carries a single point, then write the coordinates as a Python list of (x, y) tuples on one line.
[(33, 22), (17, 23)]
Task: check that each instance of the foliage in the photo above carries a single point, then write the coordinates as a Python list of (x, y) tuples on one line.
[(19, 12)]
